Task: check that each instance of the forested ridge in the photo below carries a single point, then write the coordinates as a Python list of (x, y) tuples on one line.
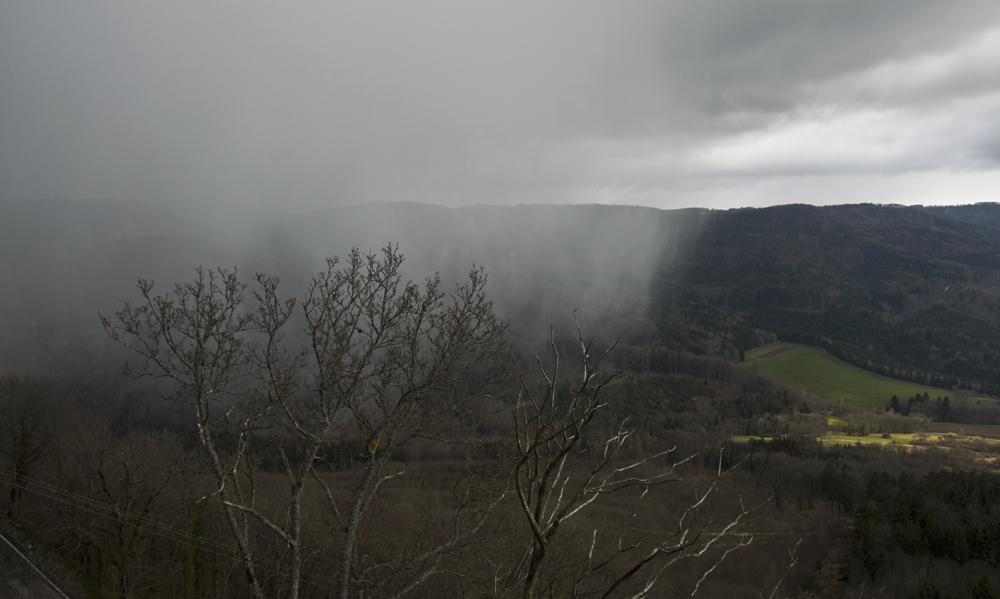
[(891, 289), (899, 291)]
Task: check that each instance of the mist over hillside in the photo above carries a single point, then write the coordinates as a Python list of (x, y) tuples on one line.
[(544, 262), (890, 287), (68, 260)]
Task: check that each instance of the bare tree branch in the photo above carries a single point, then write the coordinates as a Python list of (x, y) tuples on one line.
[(385, 361)]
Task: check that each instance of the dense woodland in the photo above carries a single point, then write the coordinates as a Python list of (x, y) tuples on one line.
[(890, 289), (122, 513), (111, 485)]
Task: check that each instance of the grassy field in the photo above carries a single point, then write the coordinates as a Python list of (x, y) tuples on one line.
[(812, 369), (895, 439), (910, 440), (986, 431)]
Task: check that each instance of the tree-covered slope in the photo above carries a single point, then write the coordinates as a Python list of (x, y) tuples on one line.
[(893, 289), (896, 290), (986, 214)]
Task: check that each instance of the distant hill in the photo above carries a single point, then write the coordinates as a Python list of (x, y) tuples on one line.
[(65, 260), (900, 291), (896, 290), (986, 214)]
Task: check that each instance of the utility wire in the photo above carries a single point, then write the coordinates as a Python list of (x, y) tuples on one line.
[(176, 534), (31, 563)]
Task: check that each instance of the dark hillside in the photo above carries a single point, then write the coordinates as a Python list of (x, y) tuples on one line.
[(986, 214), (892, 289), (896, 290)]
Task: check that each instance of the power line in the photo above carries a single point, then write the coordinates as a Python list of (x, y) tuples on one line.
[(83, 503), (31, 563)]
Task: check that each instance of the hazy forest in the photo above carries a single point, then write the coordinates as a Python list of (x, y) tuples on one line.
[(403, 400)]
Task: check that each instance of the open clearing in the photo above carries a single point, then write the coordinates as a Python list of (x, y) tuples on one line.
[(894, 440), (986, 431), (815, 371), (875, 439)]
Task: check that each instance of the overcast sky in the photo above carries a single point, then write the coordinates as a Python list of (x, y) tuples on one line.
[(717, 103)]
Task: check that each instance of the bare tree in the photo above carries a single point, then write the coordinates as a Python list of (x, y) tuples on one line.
[(26, 415), (197, 338), (557, 477), (133, 474), (384, 362)]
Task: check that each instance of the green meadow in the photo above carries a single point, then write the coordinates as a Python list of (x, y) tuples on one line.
[(815, 371), (873, 439), (986, 431), (894, 440)]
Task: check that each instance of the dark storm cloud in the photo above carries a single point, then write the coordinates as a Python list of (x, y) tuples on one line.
[(676, 103)]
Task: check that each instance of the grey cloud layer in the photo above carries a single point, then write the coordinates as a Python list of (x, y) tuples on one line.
[(459, 103)]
